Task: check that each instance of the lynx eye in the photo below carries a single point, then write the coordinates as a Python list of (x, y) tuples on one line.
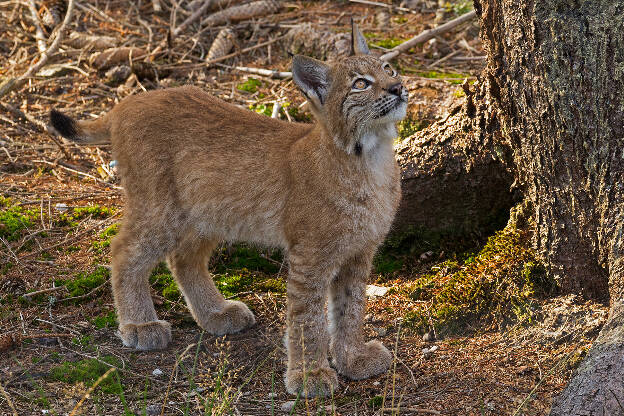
[(361, 84), (389, 70)]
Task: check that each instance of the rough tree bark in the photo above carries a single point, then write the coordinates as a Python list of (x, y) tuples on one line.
[(444, 167), (557, 73), (547, 114)]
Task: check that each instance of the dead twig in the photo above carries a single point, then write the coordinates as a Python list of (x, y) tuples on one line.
[(389, 6), (14, 83), (39, 292), (39, 36), (8, 399), (88, 393), (426, 35)]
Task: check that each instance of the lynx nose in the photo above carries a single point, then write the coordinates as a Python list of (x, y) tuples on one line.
[(396, 89)]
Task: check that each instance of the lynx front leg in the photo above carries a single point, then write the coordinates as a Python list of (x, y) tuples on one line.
[(211, 311), (307, 340), (352, 357)]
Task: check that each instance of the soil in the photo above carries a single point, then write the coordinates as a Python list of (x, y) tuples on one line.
[(484, 372)]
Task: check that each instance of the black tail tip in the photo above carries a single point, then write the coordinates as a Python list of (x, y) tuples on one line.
[(63, 124)]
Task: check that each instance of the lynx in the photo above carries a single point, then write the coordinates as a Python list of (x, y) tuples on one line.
[(198, 172)]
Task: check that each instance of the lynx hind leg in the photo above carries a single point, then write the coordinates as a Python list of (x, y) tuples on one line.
[(189, 265), (134, 256), (353, 357)]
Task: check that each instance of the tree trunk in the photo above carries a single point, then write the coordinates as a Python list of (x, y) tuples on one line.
[(556, 74), (548, 115), (444, 167)]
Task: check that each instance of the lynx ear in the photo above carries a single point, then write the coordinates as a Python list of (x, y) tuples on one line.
[(358, 41), (312, 77)]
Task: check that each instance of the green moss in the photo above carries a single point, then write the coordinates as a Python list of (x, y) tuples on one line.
[(388, 43), (104, 239), (266, 109), (107, 320), (250, 86), (441, 75), (14, 220), (162, 280), (459, 7), (84, 283), (409, 126), (232, 284), (243, 256), (88, 371), (71, 218), (376, 402), (500, 283), (271, 285)]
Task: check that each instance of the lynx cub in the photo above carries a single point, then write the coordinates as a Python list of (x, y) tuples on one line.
[(198, 171)]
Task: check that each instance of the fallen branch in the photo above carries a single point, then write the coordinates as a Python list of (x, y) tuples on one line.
[(39, 292), (196, 15), (389, 6), (14, 83), (426, 35), (265, 72), (39, 36)]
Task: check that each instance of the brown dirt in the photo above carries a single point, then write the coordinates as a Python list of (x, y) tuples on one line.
[(486, 373)]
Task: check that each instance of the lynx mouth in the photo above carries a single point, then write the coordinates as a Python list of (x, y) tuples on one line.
[(391, 107)]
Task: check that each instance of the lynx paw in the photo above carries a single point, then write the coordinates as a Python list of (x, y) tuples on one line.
[(234, 317), (369, 360), (154, 335), (319, 382)]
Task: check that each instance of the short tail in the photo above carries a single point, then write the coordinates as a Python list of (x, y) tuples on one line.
[(83, 132)]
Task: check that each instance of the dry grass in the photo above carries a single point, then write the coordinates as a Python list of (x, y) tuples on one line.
[(60, 205)]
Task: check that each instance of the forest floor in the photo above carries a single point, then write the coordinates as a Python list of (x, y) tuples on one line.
[(498, 340)]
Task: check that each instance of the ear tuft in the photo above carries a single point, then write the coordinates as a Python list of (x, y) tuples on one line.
[(312, 77), (358, 41)]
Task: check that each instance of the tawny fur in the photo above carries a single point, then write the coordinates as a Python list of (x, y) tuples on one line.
[(198, 171)]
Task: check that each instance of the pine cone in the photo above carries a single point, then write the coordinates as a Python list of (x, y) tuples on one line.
[(242, 12), (222, 45)]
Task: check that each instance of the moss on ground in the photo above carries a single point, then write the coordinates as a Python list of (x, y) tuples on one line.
[(85, 282), (73, 216), (88, 371), (250, 86), (236, 269), (409, 126), (104, 239), (500, 283), (107, 320), (15, 220)]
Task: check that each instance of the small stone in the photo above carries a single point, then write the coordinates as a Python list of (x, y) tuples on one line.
[(61, 207), (429, 336), (427, 352), (153, 409), (272, 395), (376, 383), (157, 372), (381, 331), (374, 291), (288, 406), (426, 256)]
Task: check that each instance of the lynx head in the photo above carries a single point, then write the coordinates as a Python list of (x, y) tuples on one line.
[(358, 99)]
